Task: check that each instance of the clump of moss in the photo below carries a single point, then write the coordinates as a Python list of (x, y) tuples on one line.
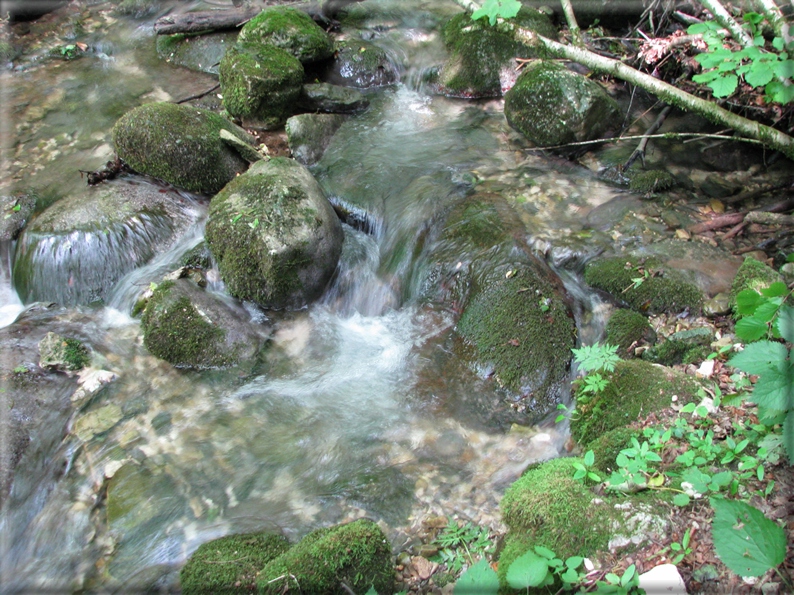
[(198, 257), (651, 181), (627, 328), (290, 30), (479, 51), (230, 564), (63, 353), (260, 83), (357, 555), (607, 447), (673, 352), (754, 275), (636, 388), (664, 290)]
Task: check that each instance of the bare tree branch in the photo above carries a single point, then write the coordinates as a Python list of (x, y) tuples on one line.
[(724, 18)]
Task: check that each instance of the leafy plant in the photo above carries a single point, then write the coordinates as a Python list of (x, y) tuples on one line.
[(634, 467), (479, 579), (584, 470), (496, 9), (593, 359), (459, 544), (771, 68)]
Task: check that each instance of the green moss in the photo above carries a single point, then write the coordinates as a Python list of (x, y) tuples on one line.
[(754, 275), (627, 328), (75, 354), (230, 564), (636, 388), (175, 331), (198, 257), (291, 30), (477, 223), (654, 180), (521, 325), (478, 51), (607, 447), (63, 353), (356, 555), (178, 144), (673, 352), (260, 83), (667, 291)]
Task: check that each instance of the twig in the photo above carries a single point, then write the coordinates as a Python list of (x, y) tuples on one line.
[(573, 26), (198, 95), (754, 193), (735, 231), (667, 135), (639, 152), (346, 588)]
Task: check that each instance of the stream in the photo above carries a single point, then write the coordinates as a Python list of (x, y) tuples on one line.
[(334, 424)]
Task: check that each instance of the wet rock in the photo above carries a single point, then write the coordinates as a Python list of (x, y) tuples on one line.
[(651, 181), (787, 271), (482, 59), (324, 97), (718, 305), (628, 329), (290, 30), (97, 422), (275, 236), (202, 53), (361, 64), (356, 554), (77, 249), (260, 84), (136, 8), (180, 145), (16, 211), (718, 187), (230, 564), (62, 353), (310, 134), (189, 327), (552, 105)]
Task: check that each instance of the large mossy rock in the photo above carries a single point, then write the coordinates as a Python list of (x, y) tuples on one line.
[(627, 329), (635, 389), (201, 53), (552, 105), (663, 289), (260, 84), (481, 58), (189, 328), (275, 236), (77, 249), (290, 30), (230, 564), (179, 144), (333, 561), (362, 65), (310, 134)]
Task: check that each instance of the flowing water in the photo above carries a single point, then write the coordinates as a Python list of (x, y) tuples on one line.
[(328, 426)]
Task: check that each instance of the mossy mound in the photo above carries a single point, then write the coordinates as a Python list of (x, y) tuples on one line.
[(754, 275), (664, 290), (552, 105), (290, 30), (260, 84), (654, 180), (673, 352), (187, 327), (179, 144), (63, 353), (362, 65), (636, 388), (481, 55), (275, 236), (333, 561), (627, 328), (230, 564)]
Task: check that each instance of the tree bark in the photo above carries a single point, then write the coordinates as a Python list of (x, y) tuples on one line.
[(207, 20)]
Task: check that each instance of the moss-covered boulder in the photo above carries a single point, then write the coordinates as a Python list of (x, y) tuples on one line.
[(230, 564), (275, 236), (636, 388), (649, 182), (290, 30), (548, 507), (662, 289), (260, 84), (333, 561), (189, 328), (361, 64), (684, 347), (608, 445), (628, 329), (753, 274), (77, 249), (481, 59), (335, 99), (552, 105), (179, 144), (201, 53), (310, 134)]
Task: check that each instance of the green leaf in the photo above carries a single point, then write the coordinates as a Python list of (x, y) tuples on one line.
[(784, 69), (747, 301), (788, 436), (574, 562), (785, 323), (744, 539), (545, 552), (479, 579), (681, 499), (371, 591), (529, 570), (779, 92), (778, 43), (759, 357), (724, 85), (775, 387), (777, 289), (589, 458)]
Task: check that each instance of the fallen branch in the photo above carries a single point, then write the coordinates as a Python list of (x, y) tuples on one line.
[(199, 95), (724, 18), (666, 135), (739, 217), (769, 218), (205, 20), (639, 152)]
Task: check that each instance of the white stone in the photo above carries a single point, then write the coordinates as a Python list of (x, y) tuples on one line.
[(663, 580)]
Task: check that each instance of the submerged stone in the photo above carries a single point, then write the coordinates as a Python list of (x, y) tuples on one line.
[(310, 134), (552, 105), (324, 97), (77, 249), (361, 64), (180, 145), (290, 30), (202, 53), (275, 236), (189, 327), (260, 84)]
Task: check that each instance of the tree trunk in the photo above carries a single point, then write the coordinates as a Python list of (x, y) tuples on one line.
[(207, 20)]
